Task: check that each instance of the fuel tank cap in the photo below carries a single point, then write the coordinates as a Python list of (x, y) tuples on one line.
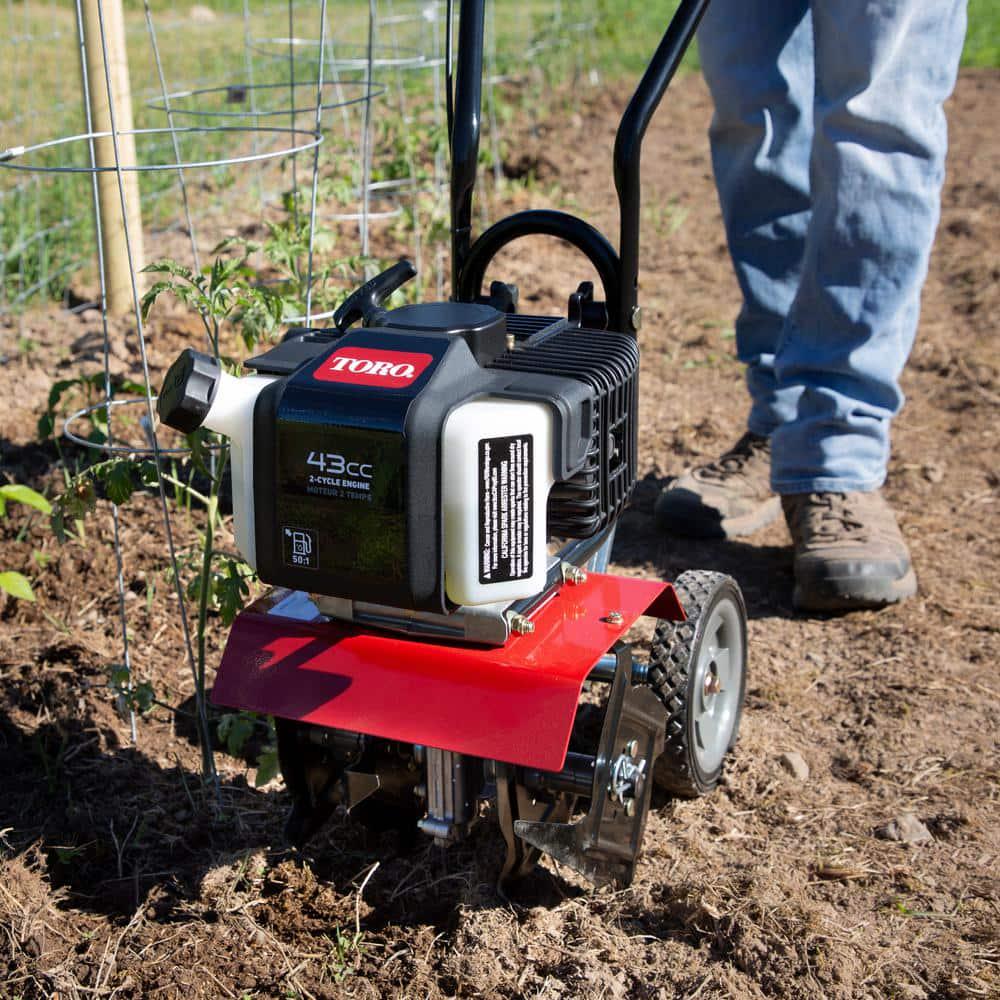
[(189, 390)]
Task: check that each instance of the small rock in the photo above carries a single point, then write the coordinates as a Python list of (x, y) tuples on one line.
[(906, 829), (795, 764), (201, 14)]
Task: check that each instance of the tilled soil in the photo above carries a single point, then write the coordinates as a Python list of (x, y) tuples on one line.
[(120, 877)]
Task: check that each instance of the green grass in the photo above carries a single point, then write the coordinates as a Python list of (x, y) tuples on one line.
[(982, 41), (628, 31), (42, 86)]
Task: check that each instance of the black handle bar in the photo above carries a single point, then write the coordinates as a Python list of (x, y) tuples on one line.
[(628, 147), (619, 273)]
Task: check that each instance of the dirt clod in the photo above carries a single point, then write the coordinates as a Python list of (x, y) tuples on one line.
[(795, 764), (907, 829)]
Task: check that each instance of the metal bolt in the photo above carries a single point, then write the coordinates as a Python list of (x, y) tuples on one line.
[(614, 618), (573, 574), (629, 807), (511, 342), (632, 748), (712, 684), (521, 625), (636, 318)]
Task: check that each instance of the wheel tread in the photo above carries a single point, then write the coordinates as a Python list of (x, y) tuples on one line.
[(669, 676)]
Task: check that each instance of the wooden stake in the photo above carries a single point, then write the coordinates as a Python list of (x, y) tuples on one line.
[(117, 273)]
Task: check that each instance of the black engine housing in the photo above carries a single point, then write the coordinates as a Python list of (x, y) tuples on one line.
[(382, 540)]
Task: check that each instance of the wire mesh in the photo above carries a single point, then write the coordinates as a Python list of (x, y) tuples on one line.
[(248, 115)]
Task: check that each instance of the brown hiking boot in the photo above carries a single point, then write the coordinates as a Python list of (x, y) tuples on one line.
[(849, 552), (724, 499)]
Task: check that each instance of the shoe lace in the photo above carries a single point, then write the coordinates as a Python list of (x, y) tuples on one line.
[(735, 461), (834, 517)]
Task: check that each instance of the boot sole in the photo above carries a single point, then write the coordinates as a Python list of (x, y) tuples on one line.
[(853, 594), (691, 525)]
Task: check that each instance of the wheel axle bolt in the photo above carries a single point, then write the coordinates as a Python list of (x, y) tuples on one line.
[(629, 807), (632, 748), (713, 685), (614, 618)]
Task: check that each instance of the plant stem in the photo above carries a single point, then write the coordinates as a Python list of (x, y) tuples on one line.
[(204, 594), (185, 488)]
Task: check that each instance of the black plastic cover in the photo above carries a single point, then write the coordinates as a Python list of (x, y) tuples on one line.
[(292, 353), (589, 499), (482, 327)]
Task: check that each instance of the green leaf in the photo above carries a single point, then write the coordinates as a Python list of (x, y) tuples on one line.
[(67, 855), (58, 388), (156, 290), (197, 442), (170, 266), (138, 697), (127, 385), (234, 729), (118, 481), (119, 676), (267, 767), (46, 425), (148, 474), (47, 421), (25, 495), (57, 522), (143, 697), (78, 501), (17, 585), (241, 243), (230, 589)]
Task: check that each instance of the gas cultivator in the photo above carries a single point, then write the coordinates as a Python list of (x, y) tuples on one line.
[(432, 491)]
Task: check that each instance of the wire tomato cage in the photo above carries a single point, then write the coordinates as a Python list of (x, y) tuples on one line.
[(296, 83)]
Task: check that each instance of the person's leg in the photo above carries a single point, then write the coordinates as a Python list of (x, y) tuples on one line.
[(757, 56), (883, 70)]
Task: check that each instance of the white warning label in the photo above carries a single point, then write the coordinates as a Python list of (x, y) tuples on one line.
[(505, 508)]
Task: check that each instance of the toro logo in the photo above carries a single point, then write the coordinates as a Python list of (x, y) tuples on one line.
[(365, 366)]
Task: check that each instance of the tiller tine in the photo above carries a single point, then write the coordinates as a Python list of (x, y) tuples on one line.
[(604, 845)]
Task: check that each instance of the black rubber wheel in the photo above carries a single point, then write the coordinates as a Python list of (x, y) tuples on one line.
[(698, 669)]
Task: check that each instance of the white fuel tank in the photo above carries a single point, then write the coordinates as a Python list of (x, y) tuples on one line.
[(231, 414), (496, 458)]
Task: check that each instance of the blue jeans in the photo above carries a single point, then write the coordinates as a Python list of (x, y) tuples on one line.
[(828, 146)]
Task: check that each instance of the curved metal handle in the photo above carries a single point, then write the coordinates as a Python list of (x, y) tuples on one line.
[(628, 147), (542, 222)]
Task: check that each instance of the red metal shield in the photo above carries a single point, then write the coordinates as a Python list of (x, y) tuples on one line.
[(514, 703)]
